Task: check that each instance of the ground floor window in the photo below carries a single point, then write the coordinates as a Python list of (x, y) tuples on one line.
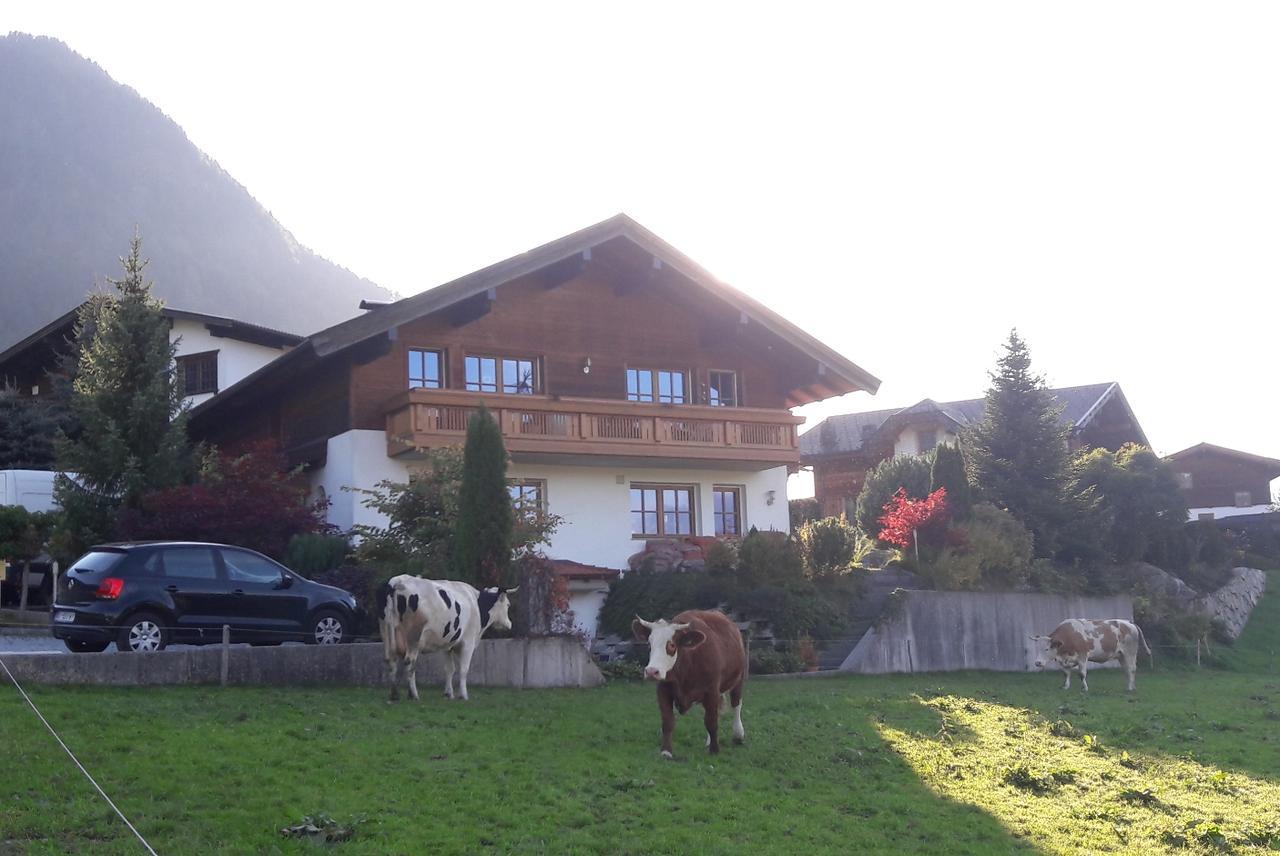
[(727, 509), (529, 496), (660, 509)]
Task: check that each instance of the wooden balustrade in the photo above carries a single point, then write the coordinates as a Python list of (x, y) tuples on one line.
[(428, 418)]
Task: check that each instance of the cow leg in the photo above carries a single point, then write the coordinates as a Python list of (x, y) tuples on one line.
[(464, 665), (1084, 674), (735, 699), (1130, 667), (665, 702), (1066, 670), (395, 679), (711, 718), (448, 674), (411, 664)]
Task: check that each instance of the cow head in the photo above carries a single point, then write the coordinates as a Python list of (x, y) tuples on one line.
[(1049, 652), (666, 642), (498, 606)]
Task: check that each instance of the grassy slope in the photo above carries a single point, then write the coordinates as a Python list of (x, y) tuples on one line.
[(907, 763)]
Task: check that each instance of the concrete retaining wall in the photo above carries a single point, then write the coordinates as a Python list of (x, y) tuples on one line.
[(1233, 603), (528, 663), (947, 631)]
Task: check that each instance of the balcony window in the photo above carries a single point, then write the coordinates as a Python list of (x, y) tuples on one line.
[(727, 504), (665, 387), (508, 375), (426, 369), (658, 510), (722, 391), (198, 373)]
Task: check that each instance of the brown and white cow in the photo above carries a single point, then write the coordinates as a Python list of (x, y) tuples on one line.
[(695, 658), (1076, 642)]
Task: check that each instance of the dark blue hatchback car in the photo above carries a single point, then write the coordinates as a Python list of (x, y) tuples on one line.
[(142, 596)]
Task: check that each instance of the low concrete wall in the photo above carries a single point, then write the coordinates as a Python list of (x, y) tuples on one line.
[(529, 663), (946, 631), (1233, 603)]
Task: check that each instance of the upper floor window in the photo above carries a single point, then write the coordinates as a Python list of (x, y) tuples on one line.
[(926, 441), (426, 369), (198, 373), (1243, 499), (722, 391), (529, 496), (509, 375), (661, 509), (665, 387), (1184, 481), (727, 504)]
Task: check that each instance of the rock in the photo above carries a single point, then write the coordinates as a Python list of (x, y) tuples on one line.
[(1160, 581), (1234, 602)]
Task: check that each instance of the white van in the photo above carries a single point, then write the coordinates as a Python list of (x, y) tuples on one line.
[(32, 489)]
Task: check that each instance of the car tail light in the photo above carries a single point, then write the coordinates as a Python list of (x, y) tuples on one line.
[(110, 588)]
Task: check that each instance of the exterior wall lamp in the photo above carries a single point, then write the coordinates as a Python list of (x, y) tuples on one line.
[(586, 365)]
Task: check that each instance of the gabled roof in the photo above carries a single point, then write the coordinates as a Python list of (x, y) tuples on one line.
[(845, 433), (843, 374), (1261, 461)]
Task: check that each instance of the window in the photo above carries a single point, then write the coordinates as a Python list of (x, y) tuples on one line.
[(1184, 481), (670, 386), (529, 496), (507, 375), (1243, 499), (426, 369), (727, 502), (198, 373), (722, 391), (1205, 515), (248, 568), (926, 441), (190, 563), (661, 509)]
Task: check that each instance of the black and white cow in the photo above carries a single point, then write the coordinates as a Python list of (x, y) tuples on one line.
[(437, 615)]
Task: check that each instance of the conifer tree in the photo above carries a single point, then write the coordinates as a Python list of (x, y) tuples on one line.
[(1018, 455), (948, 472), (132, 423), (486, 518)]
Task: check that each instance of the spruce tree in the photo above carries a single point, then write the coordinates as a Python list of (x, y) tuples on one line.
[(948, 472), (486, 518), (126, 398), (1018, 455)]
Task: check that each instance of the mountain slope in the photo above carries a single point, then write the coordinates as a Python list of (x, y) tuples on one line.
[(83, 160)]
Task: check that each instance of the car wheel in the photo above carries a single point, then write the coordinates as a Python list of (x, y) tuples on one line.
[(143, 631), (327, 628), (79, 646)]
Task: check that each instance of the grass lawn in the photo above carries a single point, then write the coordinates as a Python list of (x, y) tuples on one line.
[(941, 763)]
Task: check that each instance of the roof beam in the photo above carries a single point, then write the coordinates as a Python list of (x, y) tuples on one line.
[(471, 308), (558, 273)]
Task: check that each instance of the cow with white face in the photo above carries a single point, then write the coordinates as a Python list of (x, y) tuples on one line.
[(1077, 642), (694, 659)]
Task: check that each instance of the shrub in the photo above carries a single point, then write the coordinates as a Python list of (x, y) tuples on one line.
[(948, 473), (794, 611), (765, 660), (313, 553), (996, 554), (908, 472), (767, 557), (721, 560), (653, 595), (827, 546), (482, 541), (803, 511)]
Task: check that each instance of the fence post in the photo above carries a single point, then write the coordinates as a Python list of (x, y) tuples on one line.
[(22, 599), (226, 651), (1197, 653)]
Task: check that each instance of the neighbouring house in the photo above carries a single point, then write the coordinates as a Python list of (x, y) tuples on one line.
[(212, 352), (639, 397), (1219, 482), (841, 449)]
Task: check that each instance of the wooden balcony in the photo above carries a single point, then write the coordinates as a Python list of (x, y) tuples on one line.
[(595, 431)]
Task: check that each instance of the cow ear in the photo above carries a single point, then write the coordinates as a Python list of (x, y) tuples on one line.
[(640, 630), (690, 638)]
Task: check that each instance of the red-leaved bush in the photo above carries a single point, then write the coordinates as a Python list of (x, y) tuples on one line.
[(250, 500), (904, 516)]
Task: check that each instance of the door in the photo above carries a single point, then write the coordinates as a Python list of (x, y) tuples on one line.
[(268, 606), (199, 594)]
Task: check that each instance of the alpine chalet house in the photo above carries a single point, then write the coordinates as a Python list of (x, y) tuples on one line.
[(1218, 482), (841, 449), (639, 397)]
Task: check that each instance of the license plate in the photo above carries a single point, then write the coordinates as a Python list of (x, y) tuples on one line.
[(63, 616)]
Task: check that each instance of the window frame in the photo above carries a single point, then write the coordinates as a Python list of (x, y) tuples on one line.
[(660, 511), (737, 387), (540, 507), (227, 556), (655, 385), (717, 516), (181, 363), (1247, 496), (921, 433), (442, 382), (535, 365)]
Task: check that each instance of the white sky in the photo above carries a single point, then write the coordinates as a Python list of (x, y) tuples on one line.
[(905, 180)]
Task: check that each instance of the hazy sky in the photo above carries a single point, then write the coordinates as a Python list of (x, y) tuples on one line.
[(905, 180)]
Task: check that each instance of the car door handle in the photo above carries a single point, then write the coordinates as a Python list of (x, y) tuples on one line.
[(171, 588)]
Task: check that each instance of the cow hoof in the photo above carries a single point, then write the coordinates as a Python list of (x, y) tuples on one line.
[(666, 754), (739, 741)]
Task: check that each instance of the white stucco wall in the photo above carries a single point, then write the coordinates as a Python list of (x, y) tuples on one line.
[(908, 442), (355, 459), (585, 599), (236, 360)]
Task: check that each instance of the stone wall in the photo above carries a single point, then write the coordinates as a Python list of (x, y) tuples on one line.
[(1233, 603), (942, 631), (528, 663)]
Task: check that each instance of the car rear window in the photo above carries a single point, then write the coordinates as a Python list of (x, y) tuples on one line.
[(97, 560)]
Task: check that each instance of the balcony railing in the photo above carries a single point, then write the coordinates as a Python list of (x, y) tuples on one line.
[(531, 424)]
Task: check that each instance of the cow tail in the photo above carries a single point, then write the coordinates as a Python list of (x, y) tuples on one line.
[(1142, 637)]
